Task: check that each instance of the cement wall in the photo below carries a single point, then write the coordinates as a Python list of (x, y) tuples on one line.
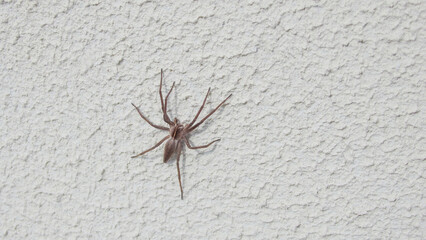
[(323, 138)]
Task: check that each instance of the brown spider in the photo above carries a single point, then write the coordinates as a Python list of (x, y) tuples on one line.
[(178, 132)]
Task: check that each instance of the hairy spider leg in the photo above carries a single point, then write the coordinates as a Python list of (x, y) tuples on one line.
[(199, 111), (149, 122), (178, 170), (165, 116), (156, 145), (198, 147), (208, 115)]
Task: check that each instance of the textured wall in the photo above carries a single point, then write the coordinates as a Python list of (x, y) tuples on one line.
[(324, 136)]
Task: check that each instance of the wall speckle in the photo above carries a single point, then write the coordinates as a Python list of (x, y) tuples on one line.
[(324, 136)]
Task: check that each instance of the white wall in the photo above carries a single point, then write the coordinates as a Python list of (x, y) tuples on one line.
[(324, 136)]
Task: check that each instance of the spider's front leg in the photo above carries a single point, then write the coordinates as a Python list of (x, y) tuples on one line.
[(208, 115), (199, 111), (164, 106)]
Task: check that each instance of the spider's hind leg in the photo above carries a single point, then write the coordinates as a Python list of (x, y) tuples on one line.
[(155, 146)]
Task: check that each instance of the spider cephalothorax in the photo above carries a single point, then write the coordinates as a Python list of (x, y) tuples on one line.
[(177, 131)]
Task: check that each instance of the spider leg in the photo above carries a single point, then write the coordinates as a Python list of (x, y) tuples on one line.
[(208, 115), (203, 146), (167, 97), (199, 111), (156, 145), (149, 122), (178, 170), (163, 108)]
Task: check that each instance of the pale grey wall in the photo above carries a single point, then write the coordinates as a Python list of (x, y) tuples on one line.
[(324, 136)]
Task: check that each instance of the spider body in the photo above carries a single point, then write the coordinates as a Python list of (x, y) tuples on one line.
[(178, 133)]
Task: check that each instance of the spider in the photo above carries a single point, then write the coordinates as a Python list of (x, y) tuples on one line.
[(178, 133)]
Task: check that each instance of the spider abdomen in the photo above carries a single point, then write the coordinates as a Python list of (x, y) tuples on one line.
[(169, 148)]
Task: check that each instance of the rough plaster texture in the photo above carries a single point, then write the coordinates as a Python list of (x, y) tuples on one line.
[(324, 137)]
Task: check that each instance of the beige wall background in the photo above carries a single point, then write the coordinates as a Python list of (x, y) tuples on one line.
[(323, 138)]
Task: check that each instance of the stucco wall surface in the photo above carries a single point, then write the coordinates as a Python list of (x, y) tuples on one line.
[(323, 138)]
